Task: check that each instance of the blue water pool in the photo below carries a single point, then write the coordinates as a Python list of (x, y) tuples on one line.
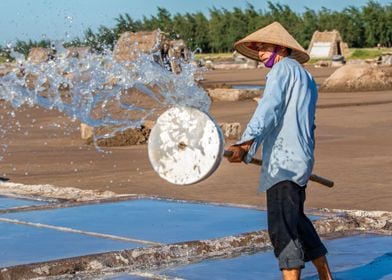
[(356, 257), (8, 202), (153, 220), (24, 244)]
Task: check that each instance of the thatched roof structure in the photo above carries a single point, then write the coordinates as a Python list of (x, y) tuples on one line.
[(327, 44)]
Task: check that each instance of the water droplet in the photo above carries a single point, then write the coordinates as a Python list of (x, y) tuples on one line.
[(89, 99)]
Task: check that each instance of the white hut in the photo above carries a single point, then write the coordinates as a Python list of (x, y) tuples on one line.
[(327, 44)]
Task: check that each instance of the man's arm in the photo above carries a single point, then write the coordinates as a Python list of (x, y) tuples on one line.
[(267, 116)]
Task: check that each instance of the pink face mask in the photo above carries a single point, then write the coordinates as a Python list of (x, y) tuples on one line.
[(271, 59)]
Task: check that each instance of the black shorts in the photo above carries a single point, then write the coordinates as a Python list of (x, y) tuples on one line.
[(292, 234)]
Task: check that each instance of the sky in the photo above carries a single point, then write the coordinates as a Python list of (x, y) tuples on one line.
[(67, 19)]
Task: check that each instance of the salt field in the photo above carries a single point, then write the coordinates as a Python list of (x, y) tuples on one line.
[(96, 232), (349, 258)]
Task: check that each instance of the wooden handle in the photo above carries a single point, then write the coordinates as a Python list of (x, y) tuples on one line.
[(321, 180), (315, 178)]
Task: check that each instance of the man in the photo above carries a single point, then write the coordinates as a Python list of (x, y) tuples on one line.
[(284, 123)]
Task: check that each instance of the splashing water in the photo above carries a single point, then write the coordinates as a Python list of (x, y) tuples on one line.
[(101, 92)]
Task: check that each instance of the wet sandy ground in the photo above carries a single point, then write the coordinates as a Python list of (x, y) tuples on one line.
[(354, 132)]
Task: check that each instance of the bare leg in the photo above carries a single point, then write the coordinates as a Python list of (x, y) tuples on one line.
[(291, 274), (322, 267)]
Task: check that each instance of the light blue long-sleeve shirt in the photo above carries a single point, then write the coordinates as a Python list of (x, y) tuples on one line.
[(284, 123)]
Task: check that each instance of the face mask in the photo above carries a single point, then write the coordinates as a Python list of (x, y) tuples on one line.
[(271, 59)]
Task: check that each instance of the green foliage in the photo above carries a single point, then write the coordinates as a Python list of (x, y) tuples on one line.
[(200, 38), (24, 47), (362, 27), (185, 25), (76, 42), (103, 40), (4, 55), (365, 53), (125, 23), (3, 59)]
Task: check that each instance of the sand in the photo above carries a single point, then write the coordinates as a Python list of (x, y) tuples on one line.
[(353, 148)]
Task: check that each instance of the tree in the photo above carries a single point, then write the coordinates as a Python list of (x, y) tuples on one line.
[(91, 39), (372, 13), (309, 26), (216, 29), (184, 27), (150, 24), (106, 38), (125, 23), (351, 27), (164, 20), (359, 27), (384, 26), (388, 23), (252, 17), (289, 19), (200, 37), (237, 26)]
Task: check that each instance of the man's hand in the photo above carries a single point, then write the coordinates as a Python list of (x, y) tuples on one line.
[(238, 153)]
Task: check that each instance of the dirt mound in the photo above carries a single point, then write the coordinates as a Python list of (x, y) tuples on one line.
[(130, 44), (152, 105), (359, 78), (39, 55), (132, 136)]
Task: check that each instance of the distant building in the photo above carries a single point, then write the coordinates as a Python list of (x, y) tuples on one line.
[(327, 44)]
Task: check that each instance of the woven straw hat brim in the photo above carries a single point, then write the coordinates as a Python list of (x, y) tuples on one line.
[(275, 34)]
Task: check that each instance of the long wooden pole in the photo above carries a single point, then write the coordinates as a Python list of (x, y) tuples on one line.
[(315, 178)]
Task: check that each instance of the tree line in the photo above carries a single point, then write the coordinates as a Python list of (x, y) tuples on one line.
[(361, 27)]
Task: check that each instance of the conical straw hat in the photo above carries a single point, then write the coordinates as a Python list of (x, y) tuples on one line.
[(275, 34)]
